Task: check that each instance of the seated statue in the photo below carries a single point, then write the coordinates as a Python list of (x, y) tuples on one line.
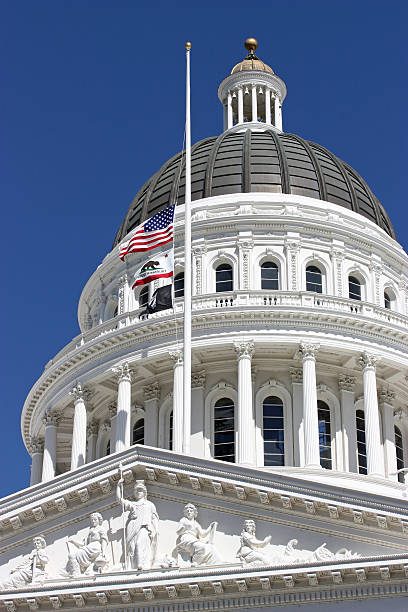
[(31, 570), (194, 545), (83, 555), (249, 551)]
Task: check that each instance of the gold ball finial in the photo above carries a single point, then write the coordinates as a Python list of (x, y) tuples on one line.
[(188, 46), (251, 44)]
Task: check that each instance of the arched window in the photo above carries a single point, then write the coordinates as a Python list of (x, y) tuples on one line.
[(354, 288), (314, 279), (223, 278), (269, 276), (387, 300), (115, 312), (138, 432), (323, 412), (179, 285), (171, 430), (224, 430), (361, 442), (108, 448), (399, 449), (273, 431), (144, 296)]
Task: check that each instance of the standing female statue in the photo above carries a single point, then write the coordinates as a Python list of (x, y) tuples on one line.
[(83, 554), (249, 551), (142, 527), (195, 541), (31, 570)]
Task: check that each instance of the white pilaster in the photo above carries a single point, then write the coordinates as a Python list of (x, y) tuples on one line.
[(197, 414), (246, 422), (268, 106), (240, 105), (387, 398), (297, 403), (310, 417), (78, 449), (113, 415), (151, 395), (92, 434), (230, 120), (375, 455), (348, 419), (177, 357), (51, 420), (254, 104), (37, 450), (124, 376), (278, 113), (199, 250), (292, 246)]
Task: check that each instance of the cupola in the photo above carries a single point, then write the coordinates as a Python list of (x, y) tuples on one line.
[(252, 93)]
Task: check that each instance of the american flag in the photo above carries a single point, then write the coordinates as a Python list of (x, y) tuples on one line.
[(154, 232)]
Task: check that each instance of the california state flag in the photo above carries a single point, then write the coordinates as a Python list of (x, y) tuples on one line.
[(158, 266)]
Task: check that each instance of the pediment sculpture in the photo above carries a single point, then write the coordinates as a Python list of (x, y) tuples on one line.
[(195, 545), (86, 556), (31, 570)]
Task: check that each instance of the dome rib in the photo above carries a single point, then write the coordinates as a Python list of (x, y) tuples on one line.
[(261, 161), (283, 162)]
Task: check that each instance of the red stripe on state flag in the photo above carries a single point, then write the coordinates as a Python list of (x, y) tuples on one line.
[(149, 279)]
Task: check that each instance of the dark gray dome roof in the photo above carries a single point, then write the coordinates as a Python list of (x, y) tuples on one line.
[(253, 161)]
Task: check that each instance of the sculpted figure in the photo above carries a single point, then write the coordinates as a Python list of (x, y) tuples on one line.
[(31, 570), (84, 554), (142, 527), (196, 543), (250, 549)]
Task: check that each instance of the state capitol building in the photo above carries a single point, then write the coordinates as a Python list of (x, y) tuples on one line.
[(285, 483)]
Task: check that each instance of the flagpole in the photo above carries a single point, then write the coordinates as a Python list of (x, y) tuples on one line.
[(187, 271)]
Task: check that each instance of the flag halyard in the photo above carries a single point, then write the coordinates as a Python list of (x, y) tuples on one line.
[(156, 231)]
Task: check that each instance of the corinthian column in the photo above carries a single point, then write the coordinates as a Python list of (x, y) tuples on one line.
[(387, 398), (198, 441), (246, 424), (92, 434), (178, 420), (348, 418), (310, 417), (50, 420), (78, 450), (297, 404), (151, 394), (113, 414), (124, 376), (375, 456), (36, 448)]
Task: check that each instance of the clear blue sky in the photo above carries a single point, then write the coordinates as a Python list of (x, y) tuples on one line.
[(92, 103)]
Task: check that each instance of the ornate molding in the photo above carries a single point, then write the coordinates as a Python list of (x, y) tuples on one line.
[(113, 409), (296, 375), (386, 396), (308, 350), (80, 394), (244, 349), (51, 417), (92, 428), (198, 379), (346, 382), (177, 357), (151, 391), (123, 372), (367, 360), (36, 445)]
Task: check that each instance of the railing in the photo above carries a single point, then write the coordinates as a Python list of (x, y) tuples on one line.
[(243, 300)]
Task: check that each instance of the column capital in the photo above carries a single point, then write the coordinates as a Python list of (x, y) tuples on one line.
[(308, 350), (36, 445), (113, 409), (151, 391), (198, 379), (199, 249), (177, 357), (244, 349), (80, 394), (368, 361), (386, 396), (296, 375), (105, 426), (346, 382), (92, 428), (123, 372), (51, 417)]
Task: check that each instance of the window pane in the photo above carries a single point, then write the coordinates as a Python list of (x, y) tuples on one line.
[(224, 430), (223, 278), (314, 281), (361, 444), (387, 300), (273, 431), (400, 453), (354, 288), (179, 285), (269, 276), (138, 432), (323, 412), (144, 296)]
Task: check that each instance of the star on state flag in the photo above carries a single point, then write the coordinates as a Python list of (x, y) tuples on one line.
[(156, 231), (158, 266)]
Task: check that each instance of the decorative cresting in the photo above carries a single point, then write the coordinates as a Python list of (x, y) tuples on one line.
[(308, 352), (257, 161), (375, 464)]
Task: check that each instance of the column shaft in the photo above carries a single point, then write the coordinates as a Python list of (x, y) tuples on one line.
[(151, 421), (50, 446), (197, 416), (123, 408), (254, 104), (177, 401), (92, 439), (230, 120), (348, 417), (375, 456), (278, 113), (245, 452), (267, 106), (78, 449), (36, 448), (297, 403), (240, 105), (387, 410), (310, 417)]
